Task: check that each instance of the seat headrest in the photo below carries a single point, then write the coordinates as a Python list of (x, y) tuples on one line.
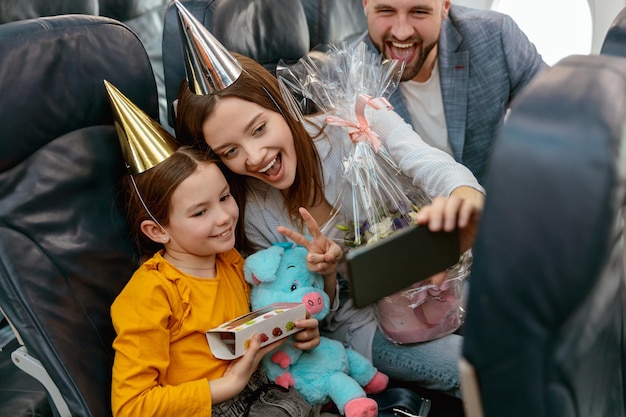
[(331, 21), (13, 10), (52, 75), (124, 10), (264, 30)]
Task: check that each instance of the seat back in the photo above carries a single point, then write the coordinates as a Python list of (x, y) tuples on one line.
[(13, 10), (330, 21), (267, 31), (615, 39), (125, 10), (545, 324), (264, 30), (65, 251)]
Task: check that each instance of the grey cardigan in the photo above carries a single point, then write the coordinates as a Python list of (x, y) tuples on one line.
[(431, 169)]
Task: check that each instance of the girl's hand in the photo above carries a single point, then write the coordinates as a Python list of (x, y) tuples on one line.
[(324, 254), (240, 370), (309, 338), (462, 209)]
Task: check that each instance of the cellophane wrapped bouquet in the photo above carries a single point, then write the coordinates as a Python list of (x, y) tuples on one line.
[(347, 83)]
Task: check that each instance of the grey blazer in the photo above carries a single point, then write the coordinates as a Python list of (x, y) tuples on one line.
[(484, 61)]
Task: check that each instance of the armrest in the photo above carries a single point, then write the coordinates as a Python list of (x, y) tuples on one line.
[(471, 389), (22, 359)]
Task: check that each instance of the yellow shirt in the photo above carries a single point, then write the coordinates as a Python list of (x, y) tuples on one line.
[(162, 358)]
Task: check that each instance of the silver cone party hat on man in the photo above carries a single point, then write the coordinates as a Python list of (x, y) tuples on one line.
[(144, 142), (209, 66)]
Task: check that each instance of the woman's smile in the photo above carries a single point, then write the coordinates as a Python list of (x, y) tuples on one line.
[(268, 166), (273, 168), (252, 141)]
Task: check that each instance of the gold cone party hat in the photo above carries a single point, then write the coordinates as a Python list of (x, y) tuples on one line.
[(144, 142), (209, 66)]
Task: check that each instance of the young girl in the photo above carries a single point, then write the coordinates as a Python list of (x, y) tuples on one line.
[(184, 219), (281, 164)]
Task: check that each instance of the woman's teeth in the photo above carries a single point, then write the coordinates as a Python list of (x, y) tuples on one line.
[(268, 166)]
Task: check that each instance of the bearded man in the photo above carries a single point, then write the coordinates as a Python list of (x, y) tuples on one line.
[(463, 67)]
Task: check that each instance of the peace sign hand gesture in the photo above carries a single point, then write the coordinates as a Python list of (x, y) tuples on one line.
[(324, 254)]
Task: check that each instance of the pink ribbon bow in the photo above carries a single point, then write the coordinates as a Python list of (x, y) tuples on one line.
[(362, 129)]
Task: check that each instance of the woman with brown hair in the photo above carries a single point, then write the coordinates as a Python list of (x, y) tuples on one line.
[(280, 162)]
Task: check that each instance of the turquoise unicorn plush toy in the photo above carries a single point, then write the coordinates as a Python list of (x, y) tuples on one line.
[(330, 372)]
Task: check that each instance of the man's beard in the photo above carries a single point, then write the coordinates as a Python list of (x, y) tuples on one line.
[(411, 70)]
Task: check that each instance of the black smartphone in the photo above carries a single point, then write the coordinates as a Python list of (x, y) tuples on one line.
[(392, 264)]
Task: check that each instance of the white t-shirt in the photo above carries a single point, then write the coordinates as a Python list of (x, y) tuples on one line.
[(425, 106)]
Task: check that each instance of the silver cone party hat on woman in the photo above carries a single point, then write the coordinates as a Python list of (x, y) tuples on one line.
[(209, 66)]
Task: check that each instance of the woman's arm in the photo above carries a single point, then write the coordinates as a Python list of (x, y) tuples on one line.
[(436, 172), (458, 198)]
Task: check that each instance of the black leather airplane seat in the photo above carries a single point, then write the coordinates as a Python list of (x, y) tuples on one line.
[(330, 21), (144, 17), (124, 10), (12, 10), (266, 30), (65, 252), (546, 315)]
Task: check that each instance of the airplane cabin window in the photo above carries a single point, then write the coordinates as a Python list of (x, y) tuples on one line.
[(556, 34)]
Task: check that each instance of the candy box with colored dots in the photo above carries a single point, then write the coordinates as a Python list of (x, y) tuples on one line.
[(273, 322)]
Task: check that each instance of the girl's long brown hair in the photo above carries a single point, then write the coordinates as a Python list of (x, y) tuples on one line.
[(256, 85)]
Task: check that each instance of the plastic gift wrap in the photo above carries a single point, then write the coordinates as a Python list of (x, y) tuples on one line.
[(426, 311), (347, 84)]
